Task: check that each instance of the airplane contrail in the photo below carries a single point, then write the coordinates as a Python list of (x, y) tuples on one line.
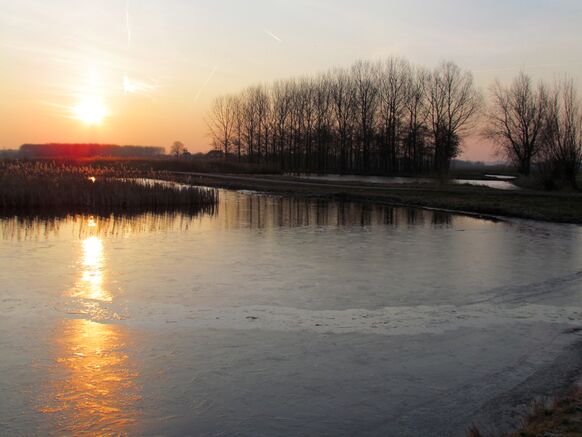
[(272, 35), (205, 84)]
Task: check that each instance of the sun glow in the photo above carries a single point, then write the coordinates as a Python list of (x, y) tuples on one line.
[(91, 111)]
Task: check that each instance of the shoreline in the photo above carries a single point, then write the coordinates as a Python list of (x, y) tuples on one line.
[(482, 202)]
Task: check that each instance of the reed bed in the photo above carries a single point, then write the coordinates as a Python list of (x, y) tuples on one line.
[(38, 184)]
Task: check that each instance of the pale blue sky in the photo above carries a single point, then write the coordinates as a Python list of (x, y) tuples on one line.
[(180, 54)]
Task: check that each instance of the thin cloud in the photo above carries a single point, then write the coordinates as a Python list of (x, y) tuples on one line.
[(272, 35), (205, 84)]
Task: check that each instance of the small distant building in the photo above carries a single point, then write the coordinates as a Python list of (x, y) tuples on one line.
[(215, 154)]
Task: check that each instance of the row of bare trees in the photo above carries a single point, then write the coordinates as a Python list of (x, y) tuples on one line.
[(391, 117), (385, 117), (538, 124)]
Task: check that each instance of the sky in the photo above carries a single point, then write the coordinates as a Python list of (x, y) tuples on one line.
[(150, 68)]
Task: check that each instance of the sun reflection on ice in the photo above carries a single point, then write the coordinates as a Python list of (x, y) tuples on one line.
[(93, 389), (91, 294), (90, 285), (98, 389)]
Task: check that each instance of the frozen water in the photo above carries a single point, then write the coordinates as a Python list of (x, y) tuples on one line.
[(281, 316), (501, 182)]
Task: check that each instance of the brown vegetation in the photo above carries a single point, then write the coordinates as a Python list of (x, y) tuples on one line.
[(562, 418), (193, 164), (34, 185)]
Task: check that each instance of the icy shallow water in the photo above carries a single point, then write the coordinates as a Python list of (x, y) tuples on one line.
[(502, 182), (280, 316)]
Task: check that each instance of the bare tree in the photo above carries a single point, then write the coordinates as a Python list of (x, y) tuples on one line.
[(222, 123), (394, 77), (453, 103), (562, 137), (281, 95), (263, 109), (343, 108), (307, 89), (323, 129), (250, 122), (177, 149), (516, 120), (365, 81), (238, 109), (415, 132)]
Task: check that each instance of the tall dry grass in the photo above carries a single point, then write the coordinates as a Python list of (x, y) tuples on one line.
[(45, 184)]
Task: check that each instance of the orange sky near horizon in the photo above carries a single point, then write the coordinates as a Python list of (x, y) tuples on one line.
[(150, 69)]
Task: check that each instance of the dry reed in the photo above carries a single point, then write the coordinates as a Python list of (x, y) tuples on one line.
[(38, 184)]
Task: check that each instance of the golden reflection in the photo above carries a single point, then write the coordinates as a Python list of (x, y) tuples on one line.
[(90, 284), (95, 392), (108, 226)]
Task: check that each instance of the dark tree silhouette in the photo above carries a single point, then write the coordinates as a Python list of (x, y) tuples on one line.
[(385, 117), (453, 104), (562, 136), (516, 120)]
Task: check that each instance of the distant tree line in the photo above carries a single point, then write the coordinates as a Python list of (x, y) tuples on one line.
[(392, 117), (76, 151), (9, 153), (382, 117)]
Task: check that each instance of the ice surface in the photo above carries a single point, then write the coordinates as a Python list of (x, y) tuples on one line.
[(280, 316)]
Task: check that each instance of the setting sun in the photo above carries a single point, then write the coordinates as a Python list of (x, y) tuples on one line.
[(91, 111)]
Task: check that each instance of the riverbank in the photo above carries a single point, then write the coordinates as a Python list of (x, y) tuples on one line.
[(559, 207), (562, 417), (29, 185)]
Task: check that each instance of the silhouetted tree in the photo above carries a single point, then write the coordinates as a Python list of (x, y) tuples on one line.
[(562, 135), (416, 151), (343, 110), (370, 118), (365, 81), (222, 123), (394, 76), (453, 104), (238, 115), (177, 149), (322, 122), (516, 120)]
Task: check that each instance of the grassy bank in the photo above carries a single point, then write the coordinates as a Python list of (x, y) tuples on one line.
[(41, 185), (536, 205), (562, 418)]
